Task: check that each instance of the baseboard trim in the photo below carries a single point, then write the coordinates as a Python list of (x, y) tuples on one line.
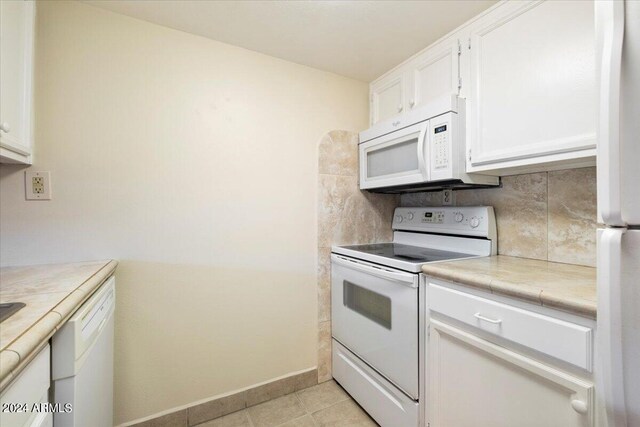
[(217, 406)]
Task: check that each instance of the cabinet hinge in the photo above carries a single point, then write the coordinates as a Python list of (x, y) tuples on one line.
[(459, 84), (469, 154), (469, 42), (459, 48)]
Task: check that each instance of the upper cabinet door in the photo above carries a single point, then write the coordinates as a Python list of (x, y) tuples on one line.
[(532, 101), (16, 77), (435, 73), (387, 97)]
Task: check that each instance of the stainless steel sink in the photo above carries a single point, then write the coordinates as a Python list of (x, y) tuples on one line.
[(8, 309)]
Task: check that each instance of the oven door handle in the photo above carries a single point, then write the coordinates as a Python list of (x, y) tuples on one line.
[(406, 279)]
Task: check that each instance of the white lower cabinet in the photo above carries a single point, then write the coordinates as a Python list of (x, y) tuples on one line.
[(501, 362), (26, 393), (473, 382)]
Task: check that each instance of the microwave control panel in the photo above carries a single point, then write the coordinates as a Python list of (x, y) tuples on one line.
[(441, 146), (442, 134)]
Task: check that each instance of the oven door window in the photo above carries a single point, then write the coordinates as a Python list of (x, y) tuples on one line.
[(371, 305), (399, 158)]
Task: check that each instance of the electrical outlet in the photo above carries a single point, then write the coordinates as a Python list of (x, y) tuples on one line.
[(447, 197), (37, 185)]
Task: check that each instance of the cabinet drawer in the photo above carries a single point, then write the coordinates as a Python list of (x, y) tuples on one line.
[(384, 402), (557, 338)]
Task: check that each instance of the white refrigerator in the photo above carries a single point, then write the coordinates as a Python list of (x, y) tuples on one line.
[(618, 334)]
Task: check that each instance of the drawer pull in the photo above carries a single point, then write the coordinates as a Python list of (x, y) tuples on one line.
[(486, 319), (579, 406)]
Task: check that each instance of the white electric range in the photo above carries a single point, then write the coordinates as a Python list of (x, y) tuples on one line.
[(378, 307)]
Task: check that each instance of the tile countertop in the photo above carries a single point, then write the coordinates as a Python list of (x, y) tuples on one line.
[(52, 293), (566, 287)]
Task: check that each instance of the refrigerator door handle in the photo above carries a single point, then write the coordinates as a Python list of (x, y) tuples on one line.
[(610, 35), (611, 372)]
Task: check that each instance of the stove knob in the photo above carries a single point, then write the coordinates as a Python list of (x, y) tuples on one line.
[(409, 216), (459, 217), (474, 222), (398, 218)]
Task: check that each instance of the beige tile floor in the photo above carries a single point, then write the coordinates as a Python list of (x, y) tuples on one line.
[(323, 405)]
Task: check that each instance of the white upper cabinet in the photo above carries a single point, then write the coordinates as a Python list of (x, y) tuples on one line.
[(388, 97), (532, 95), (527, 72), (16, 80), (428, 76), (434, 73)]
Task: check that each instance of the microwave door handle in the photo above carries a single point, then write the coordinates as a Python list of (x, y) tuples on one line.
[(422, 156)]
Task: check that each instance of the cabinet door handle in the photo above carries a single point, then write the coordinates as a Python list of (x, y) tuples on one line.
[(486, 319), (399, 108), (4, 127), (579, 406)]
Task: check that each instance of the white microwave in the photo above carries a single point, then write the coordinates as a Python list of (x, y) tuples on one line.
[(420, 150)]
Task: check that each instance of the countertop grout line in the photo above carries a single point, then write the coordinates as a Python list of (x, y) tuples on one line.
[(34, 324)]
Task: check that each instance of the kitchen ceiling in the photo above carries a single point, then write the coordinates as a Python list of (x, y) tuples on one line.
[(358, 39)]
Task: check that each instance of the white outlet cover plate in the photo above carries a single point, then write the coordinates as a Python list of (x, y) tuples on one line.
[(32, 190), (448, 197)]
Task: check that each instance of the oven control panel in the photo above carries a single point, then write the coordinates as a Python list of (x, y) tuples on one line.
[(433, 217), (463, 220)]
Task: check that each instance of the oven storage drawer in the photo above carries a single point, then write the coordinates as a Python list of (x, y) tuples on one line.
[(384, 402), (566, 341)]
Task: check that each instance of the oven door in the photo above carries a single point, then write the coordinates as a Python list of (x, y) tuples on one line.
[(398, 158), (375, 315)]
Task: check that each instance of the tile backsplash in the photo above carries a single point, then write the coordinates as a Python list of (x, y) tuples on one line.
[(548, 216), (346, 216)]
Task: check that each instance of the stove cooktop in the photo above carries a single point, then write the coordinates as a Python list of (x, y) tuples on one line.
[(407, 253), (405, 257)]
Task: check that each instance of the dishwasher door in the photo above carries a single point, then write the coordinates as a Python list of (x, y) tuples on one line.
[(82, 363)]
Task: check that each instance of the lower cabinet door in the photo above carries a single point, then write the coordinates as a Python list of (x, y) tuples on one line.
[(472, 382), (22, 401), (43, 419)]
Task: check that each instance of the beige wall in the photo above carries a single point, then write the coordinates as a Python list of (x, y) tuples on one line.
[(194, 163), (549, 216)]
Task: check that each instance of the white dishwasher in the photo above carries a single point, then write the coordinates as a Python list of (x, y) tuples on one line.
[(82, 362)]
